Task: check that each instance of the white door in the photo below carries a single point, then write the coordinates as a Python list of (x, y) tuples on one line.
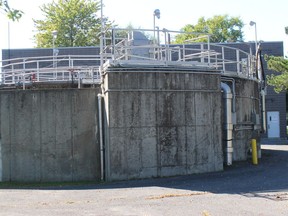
[(273, 124)]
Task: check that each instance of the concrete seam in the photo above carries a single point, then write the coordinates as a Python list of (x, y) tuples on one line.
[(0, 144), (40, 125), (158, 90), (10, 135), (0, 160), (72, 133)]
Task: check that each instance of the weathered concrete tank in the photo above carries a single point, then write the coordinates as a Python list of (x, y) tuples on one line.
[(248, 122), (49, 135), (180, 110), (162, 122), (170, 121)]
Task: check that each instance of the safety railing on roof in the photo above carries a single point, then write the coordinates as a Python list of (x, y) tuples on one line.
[(130, 47), (75, 69), (139, 47)]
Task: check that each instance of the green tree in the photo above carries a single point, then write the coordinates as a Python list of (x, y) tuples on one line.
[(75, 21), (12, 14), (222, 28), (280, 65)]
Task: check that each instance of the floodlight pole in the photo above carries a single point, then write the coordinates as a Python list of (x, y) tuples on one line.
[(256, 42), (155, 14), (101, 39), (54, 36)]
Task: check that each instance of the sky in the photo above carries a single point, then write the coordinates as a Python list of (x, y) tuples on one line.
[(271, 17)]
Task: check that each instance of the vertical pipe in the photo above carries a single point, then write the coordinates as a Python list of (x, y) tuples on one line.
[(101, 137), (254, 152), (263, 110), (228, 124)]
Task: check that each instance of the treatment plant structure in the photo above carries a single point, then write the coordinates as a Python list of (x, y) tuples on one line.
[(136, 108)]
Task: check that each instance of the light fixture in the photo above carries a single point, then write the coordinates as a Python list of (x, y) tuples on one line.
[(252, 23), (157, 13)]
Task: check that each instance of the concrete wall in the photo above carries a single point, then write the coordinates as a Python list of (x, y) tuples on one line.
[(274, 101), (162, 122), (49, 135), (248, 117)]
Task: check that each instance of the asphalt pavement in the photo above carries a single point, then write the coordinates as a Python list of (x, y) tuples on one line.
[(241, 189)]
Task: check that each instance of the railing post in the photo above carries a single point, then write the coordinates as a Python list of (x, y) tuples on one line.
[(202, 50), (23, 79), (38, 72), (69, 61), (113, 44), (158, 44), (24, 71), (13, 75), (79, 81), (208, 44), (238, 61), (126, 49), (223, 59), (184, 53), (166, 48)]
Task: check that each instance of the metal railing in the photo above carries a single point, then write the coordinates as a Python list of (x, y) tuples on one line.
[(130, 50), (78, 69), (129, 47)]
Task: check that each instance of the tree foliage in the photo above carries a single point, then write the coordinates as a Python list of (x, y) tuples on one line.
[(222, 28), (280, 65), (12, 13), (75, 21)]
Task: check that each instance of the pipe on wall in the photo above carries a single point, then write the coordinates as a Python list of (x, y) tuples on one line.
[(232, 80), (263, 94), (228, 124), (101, 136)]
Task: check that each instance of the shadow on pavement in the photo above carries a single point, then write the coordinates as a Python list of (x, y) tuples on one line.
[(270, 175)]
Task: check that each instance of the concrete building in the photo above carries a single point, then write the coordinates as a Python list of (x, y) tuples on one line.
[(147, 115)]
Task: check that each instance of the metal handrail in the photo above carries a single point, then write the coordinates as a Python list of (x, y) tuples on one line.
[(85, 68), (66, 68), (210, 55)]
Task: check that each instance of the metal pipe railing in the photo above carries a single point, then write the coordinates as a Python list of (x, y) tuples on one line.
[(23, 71), (117, 48)]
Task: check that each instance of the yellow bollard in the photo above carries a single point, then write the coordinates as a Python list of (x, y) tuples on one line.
[(254, 152)]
